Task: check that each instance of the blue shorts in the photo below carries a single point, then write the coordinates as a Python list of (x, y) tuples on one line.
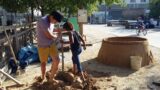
[(76, 59)]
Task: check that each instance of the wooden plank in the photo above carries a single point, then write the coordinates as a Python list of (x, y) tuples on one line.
[(2, 76), (31, 37), (12, 36), (87, 44), (11, 48), (3, 28), (10, 77), (16, 42)]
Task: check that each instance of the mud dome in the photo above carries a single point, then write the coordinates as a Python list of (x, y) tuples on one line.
[(116, 51)]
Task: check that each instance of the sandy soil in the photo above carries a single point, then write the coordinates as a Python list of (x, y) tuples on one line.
[(108, 77)]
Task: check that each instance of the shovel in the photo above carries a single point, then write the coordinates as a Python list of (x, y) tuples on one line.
[(62, 54)]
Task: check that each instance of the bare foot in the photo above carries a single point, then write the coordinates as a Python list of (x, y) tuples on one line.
[(48, 74), (49, 79), (39, 79), (53, 81)]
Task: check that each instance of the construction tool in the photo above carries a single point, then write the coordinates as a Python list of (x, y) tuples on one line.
[(62, 54), (62, 48)]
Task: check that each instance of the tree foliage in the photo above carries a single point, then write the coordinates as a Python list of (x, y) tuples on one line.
[(155, 8), (45, 6), (13, 5)]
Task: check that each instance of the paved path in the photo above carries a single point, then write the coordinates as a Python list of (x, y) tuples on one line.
[(153, 35)]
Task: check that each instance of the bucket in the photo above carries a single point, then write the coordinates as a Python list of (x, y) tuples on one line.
[(136, 62)]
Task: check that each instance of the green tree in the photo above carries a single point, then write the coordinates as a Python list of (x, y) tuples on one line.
[(13, 6), (155, 8), (29, 5), (70, 7)]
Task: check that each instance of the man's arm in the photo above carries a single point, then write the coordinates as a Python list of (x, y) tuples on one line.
[(46, 32), (49, 36)]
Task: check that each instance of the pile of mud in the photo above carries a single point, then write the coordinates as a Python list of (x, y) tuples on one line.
[(67, 81)]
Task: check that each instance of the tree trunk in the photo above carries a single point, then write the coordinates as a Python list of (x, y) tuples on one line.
[(42, 10), (15, 17), (69, 13), (40, 6), (11, 22), (32, 13)]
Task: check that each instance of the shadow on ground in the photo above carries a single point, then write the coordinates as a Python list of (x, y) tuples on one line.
[(153, 82), (97, 69)]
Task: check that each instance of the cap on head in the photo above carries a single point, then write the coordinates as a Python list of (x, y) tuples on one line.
[(57, 16)]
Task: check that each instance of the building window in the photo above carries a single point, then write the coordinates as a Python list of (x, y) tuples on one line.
[(132, 1), (143, 0)]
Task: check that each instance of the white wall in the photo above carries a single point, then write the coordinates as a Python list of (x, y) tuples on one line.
[(127, 1), (137, 2), (0, 8)]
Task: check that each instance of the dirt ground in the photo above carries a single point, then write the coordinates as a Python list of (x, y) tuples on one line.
[(108, 77)]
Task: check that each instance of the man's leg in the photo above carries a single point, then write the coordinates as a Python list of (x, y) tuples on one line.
[(54, 67), (55, 60), (43, 70), (43, 55)]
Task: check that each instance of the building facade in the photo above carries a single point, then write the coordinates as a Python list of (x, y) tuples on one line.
[(7, 18), (133, 9), (137, 3), (2, 16)]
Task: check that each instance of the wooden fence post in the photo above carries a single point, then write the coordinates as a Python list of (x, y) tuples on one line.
[(31, 36), (1, 50), (81, 28), (15, 41)]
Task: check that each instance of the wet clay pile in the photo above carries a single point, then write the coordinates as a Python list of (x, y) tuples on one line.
[(67, 81)]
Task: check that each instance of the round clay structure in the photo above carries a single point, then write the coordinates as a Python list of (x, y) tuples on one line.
[(116, 51)]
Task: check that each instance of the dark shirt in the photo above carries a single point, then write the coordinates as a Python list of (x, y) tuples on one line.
[(77, 44), (140, 23)]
